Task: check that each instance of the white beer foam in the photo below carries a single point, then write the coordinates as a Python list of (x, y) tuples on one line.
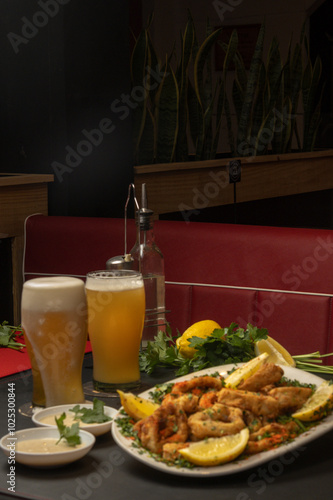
[(56, 293), (117, 283)]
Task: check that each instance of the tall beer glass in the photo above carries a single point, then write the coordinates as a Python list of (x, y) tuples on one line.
[(54, 319), (116, 311), (38, 395)]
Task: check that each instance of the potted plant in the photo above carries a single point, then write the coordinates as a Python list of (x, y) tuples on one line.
[(183, 110)]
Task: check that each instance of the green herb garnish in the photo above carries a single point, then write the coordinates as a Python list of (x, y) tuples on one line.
[(9, 335), (162, 352), (313, 362), (93, 415), (223, 346), (71, 434)]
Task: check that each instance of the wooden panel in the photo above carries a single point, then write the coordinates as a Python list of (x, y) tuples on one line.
[(20, 196), (196, 185), (286, 177), (17, 203), (180, 190)]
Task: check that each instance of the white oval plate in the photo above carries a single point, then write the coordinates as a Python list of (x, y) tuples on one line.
[(9, 442), (95, 429), (142, 455)]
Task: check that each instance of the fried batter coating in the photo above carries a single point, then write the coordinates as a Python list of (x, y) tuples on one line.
[(171, 450), (270, 436), (219, 420), (258, 404), (207, 400), (290, 398), (252, 421), (187, 402), (197, 385), (266, 375), (168, 424)]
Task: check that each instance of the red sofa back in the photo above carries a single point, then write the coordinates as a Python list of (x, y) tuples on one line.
[(277, 278)]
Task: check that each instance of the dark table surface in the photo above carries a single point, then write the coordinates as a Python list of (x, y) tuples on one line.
[(108, 472)]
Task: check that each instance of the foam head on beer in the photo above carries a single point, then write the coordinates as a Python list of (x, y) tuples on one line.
[(54, 293), (121, 280)]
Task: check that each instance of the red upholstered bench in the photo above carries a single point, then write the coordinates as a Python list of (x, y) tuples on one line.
[(277, 278)]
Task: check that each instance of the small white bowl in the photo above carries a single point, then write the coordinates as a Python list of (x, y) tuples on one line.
[(95, 429), (8, 444)]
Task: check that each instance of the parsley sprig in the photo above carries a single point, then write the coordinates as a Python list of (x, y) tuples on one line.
[(94, 415), (9, 336), (71, 434), (223, 346), (162, 352)]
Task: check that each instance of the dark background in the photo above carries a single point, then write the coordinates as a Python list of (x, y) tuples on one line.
[(61, 82), (64, 80)]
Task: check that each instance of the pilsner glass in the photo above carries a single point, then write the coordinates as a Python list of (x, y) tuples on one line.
[(116, 311), (38, 395), (54, 320)]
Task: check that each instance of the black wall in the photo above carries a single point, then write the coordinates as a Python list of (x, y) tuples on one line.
[(63, 63)]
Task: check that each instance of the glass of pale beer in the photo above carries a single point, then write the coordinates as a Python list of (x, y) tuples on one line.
[(38, 395), (116, 311), (54, 320)]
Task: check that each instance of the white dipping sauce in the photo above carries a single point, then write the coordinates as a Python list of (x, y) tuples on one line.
[(46, 445)]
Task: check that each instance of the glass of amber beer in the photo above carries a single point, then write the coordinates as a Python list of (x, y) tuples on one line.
[(54, 320), (116, 310)]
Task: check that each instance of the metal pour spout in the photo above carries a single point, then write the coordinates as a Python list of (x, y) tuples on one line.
[(124, 261)]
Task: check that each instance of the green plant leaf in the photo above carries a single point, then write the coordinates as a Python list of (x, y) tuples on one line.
[(199, 64), (166, 117), (246, 113), (310, 84), (139, 61), (146, 147), (187, 46)]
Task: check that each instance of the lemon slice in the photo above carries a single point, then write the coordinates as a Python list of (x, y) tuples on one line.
[(216, 451), (317, 405), (135, 406), (199, 329), (245, 371), (277, 353)]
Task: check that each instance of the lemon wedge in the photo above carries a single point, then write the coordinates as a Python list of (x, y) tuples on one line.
[(317, 405), (216, 451), (201, 329), (245, 371), (277, 353), (135, 406)]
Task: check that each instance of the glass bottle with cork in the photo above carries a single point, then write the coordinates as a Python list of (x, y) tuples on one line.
[(149, 260)]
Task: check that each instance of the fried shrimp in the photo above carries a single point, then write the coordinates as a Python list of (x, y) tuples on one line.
[(217, 421), (168, 424), (266, 375), (197, 385), (270, 436)]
